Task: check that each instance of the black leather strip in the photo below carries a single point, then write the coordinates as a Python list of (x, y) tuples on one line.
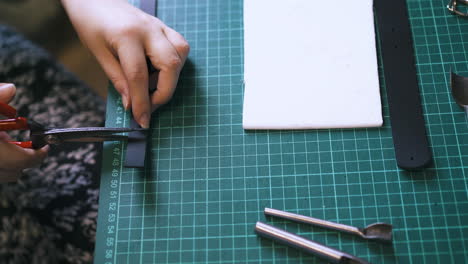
[(396, 46), (149, 7), (137, 143), (459, 86), (135, 155)]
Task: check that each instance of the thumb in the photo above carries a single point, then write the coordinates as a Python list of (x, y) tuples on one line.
[(7, 91), (13, 157)]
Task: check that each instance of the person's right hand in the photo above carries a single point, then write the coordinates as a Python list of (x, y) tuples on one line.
[(121, 37), (14, 159)]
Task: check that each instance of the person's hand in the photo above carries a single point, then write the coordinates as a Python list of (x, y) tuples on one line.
[(121, 37), (14, 159)]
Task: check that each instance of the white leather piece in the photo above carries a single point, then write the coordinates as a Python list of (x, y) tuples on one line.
[(310, 64)]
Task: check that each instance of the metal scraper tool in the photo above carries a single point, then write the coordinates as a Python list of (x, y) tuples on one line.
[(459, 87), (378, 231)]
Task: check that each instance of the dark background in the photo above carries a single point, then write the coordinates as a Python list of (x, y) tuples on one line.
[(46, 24)]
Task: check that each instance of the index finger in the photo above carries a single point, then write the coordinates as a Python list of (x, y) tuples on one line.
[(132, 58), (7, 91)]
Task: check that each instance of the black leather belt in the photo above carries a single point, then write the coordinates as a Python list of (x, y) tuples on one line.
[(396, 46), (137, 143)]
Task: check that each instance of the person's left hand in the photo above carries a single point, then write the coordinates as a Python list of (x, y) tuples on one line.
[(14, 159), (121, 37)]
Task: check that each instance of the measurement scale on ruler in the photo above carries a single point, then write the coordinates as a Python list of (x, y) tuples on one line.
[(112, 169)]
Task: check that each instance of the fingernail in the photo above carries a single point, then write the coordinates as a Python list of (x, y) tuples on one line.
[(6, 86), (46, 148), (144, 120), (125, 101)]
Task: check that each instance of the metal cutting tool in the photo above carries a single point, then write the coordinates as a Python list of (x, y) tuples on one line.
[(330, 254), (453, 7), (41, 135), (381, 232)]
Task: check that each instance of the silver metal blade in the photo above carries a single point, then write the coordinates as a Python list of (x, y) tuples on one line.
[(86, 134), (98, 139), (92, 130)]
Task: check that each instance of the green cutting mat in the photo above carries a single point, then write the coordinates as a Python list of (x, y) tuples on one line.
[(209, 180)]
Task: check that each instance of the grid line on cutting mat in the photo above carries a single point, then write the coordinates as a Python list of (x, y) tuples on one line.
[(209, 180)]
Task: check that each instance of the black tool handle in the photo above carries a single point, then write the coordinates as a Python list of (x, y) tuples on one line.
[(396, 46)]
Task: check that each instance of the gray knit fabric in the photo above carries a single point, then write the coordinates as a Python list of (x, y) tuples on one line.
[(49, 215)]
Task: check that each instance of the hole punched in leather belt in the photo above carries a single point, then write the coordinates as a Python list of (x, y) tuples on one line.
[(406, 117)]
